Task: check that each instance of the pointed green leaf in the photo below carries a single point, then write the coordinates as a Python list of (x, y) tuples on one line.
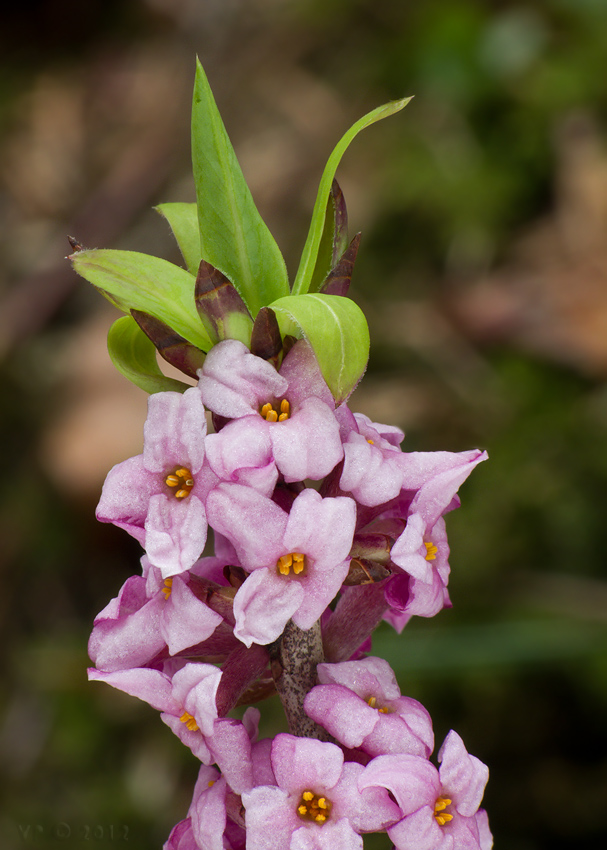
[(134, 356), (310, 252), (183, 219), (138, 281), (233, 236), (336, 329)]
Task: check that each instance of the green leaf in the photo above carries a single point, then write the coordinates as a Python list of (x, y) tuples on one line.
[(309, 255), (134, 356), (183, 219), (233, 236), (138, 281), (336, 329)]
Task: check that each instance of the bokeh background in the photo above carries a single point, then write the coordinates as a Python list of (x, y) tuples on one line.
[(483, 272)]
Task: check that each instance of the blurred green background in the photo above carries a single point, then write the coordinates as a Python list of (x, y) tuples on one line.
[(483, 272)]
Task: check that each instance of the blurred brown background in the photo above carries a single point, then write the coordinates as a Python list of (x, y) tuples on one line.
[(482, 271)]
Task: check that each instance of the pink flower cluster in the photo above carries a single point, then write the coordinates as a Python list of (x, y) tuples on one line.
[(319, 521)]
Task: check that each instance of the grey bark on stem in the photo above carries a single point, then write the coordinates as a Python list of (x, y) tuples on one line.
[(294, 658)]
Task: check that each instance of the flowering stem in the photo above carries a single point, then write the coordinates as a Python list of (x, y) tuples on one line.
[(294, 658)]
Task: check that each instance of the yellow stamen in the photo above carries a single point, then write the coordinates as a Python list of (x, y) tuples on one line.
[(372, 701), (166, 590), (442, 817), (181, 478), (189, 721), (211, 782), (270, 414), (314, 808), (431, 550), (293, 561), (298, 563), (370, 441)]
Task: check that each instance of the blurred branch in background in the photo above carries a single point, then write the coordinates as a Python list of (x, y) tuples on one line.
[(482, 271)]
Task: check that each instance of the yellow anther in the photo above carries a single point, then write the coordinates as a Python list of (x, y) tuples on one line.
[(183, 479), (442, 817), (210, 783), (189, 721), (314, 808), (279, 414), (166, 590), (293, 561), (370, 441), (284, 564), (372, 702), (431, 550)]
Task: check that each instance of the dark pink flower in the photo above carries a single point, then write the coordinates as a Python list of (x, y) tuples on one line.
[(360, 704)]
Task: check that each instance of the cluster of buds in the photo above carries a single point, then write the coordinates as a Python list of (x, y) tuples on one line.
[(279, 528)]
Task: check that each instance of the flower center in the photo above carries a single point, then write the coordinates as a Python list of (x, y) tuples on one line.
[(431, 550), (166, 590), (293, 561), (189, 721), (270, 414), (372, 701), (313, 807), (180, 481), (442, 817)]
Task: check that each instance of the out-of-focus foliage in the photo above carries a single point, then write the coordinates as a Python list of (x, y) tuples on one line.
[(483, 209)]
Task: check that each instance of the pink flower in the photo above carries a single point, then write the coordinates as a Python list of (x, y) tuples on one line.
[(440, 808), (158, 496), (297, 561), (186, 699), (360, 704), (286, 417), (422, 551), (148, 615), (315, 802), (374, 466)]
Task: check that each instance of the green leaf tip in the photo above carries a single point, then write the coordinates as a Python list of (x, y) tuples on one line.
[(233, 236), (134, 281), (309, 257)]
